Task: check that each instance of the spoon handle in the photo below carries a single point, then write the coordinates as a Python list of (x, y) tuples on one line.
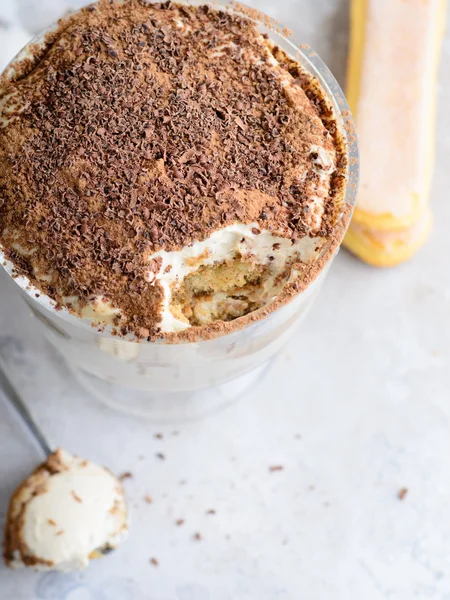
[(21, 408)]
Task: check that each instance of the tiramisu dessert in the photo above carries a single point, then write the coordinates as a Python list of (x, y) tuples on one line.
[(396, 123), (67, 512), (165, 169)]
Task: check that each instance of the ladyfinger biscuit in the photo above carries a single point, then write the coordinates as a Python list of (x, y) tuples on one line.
[(393, 63), (383, 248)]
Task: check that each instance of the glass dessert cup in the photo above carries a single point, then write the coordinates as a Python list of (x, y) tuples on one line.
[(168, 381)]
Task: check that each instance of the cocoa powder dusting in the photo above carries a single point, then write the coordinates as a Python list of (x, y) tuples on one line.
[(147, 126)]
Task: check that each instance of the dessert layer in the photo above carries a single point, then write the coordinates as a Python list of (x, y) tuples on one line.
[(143, 129), (236, 270)]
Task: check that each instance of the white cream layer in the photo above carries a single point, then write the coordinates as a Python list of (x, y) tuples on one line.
[(225, 244), (82, 509)]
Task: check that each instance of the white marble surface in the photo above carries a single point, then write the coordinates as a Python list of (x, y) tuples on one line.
[(355, 408)]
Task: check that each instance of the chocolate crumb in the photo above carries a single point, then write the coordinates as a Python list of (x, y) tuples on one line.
[(148, 499), (402, 493), (51, 522), (198, 536), (211, 511), (126, 475), (179, 522), (158, 436), (160, 455), (154, 562), (76, 497), (274, 468)]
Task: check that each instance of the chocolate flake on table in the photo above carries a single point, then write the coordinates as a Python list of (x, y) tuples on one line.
[(275, 468), (198, 536), (126, 475), (160, 455), (154, 562), (402, 493), (179, 522), (147, 126), (148, 499)]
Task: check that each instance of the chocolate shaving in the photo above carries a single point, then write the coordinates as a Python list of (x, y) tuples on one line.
[(402, 493), (76, 497), (274, 468)]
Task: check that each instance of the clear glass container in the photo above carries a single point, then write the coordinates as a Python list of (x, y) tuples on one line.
[(180, 381)]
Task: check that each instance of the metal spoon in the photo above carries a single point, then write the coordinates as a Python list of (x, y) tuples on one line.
[(16, 401)]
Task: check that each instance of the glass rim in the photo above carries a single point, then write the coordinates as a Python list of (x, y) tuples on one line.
[(315, 67)]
